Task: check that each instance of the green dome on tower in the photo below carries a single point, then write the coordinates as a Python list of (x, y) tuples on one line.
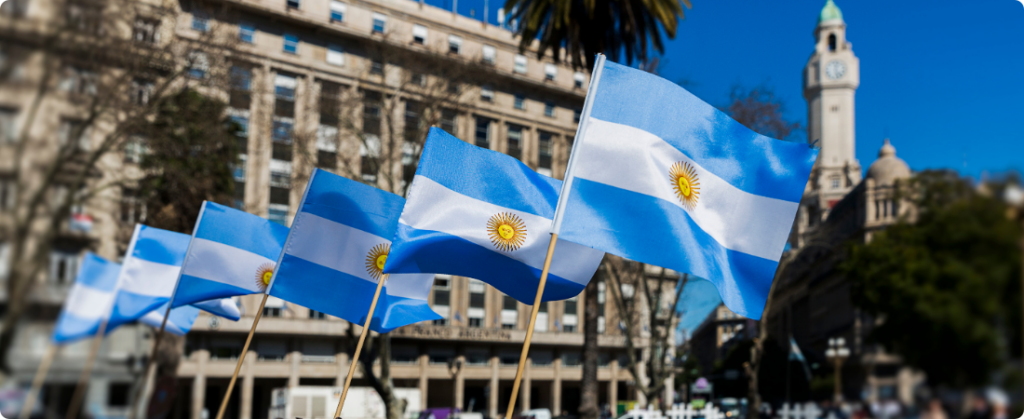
[(830, 12)]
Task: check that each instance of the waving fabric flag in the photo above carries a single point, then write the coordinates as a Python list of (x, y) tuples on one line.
[(660, 177), (179, 322), (482, 214), (89, 301), (232, 253), (336, 249)]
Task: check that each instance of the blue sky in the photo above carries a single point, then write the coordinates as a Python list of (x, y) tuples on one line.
[(944, 80)]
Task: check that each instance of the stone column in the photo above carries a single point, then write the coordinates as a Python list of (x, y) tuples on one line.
[(460, 383), (199, 383), (556, 389), (613, 387), (245, 410), (293, 373), (524, 388), (492, 399), (424, 382)]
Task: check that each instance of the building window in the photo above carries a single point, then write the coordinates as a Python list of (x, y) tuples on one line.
[(369, 154), (146, 31), (448, 121), (278, 214), (576, 115), (141, 90), (411, 122), (83, 17), (380, 23), (337, 11), (133, 208), (515, 141), (483, 131), (291, 43), (198, 64), (317, 315), (520, 64), (442, 298), (519, 101), (272, 311), (542, 318), (550, 72), (487, 93), (240, 96), (835, 182), (509, 313), (454, 44), (327, 147), (602, 295), (376, 66), (549, 109), (544, 146), (570, 318), (74, 133), (8, 125), (117, 394), (8, 194), (200, 21), (79, 81), (247, 32), (419, 34), (577, 80), (293, 4), (335, 55), (490, 55), (63, 266), (831, 42), (475, 312)]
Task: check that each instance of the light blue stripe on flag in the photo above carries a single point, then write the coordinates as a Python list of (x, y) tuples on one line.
[(338, 242), (478, 213), (232, 253), (179, 322), (89, 300), (660, 177)]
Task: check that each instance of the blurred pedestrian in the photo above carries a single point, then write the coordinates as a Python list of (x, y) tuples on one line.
[(979, 408), (998, 399), (934, 410)]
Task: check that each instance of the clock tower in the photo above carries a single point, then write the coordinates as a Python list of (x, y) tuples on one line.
[(830, 78)]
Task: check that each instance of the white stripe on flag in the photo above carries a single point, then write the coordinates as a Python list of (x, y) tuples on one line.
[(332, 245), (148, 278), (736, 219), (219, 262), (437, 208), (88, 303), (414, 286)]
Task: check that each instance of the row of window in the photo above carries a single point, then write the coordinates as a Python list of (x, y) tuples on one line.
[(508, 318)]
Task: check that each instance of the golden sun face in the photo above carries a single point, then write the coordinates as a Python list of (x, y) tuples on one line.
[(263, 275), (685, 183), (375, 260), (507, 231)]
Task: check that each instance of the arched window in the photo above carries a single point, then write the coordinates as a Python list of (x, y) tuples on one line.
[(832, 42)]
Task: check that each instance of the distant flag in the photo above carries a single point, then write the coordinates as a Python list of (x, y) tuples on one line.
[(660, 177), (796, 355), (179, 322), (89, 301), (149, 274), (231, 253), (458, 316), (336, 249), (486, 215)]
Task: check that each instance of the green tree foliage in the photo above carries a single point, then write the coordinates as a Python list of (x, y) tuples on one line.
[(192, 151), (588, 27), (946, 287)]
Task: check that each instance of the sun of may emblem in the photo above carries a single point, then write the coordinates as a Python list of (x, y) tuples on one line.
[(376, 258), (263, 275), (507, 231), (686, 184)]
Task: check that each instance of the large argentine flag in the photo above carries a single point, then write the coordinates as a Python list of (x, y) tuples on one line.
[(660, 177), (89, 301), (337, 246), (478, 213), (232, 253), (149, 274)]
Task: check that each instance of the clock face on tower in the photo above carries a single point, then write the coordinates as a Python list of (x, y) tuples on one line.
[(835, 69)]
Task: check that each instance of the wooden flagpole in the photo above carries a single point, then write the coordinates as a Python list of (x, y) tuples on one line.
[(359, 347), (241, 358), (150, 364), (83, 380), (529, 327), (37, 382)]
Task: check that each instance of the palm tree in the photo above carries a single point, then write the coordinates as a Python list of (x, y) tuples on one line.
[(585, 28)]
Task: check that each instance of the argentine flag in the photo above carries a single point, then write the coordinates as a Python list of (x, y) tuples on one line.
[(335, 252), (89, 301), (149, 275), (231, 253), (660, 177), (179, 323), (482, 214)]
